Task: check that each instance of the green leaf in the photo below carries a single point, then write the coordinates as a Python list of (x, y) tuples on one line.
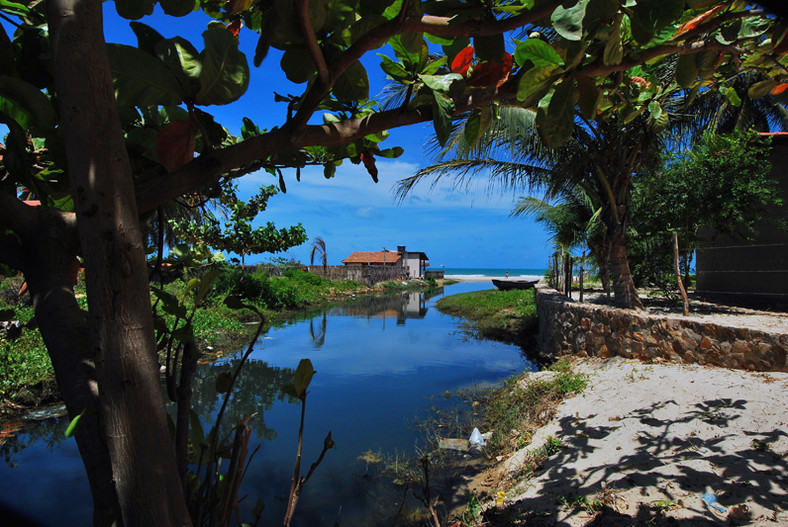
[(589, 95), (261, 49), (614, 49), (134, 9), (567, 19), (142, 79), (329, 170), (442, 111), (555, 117), (353, 85), (303, 377), (72, 426), (25, 104), (686, 71), (184, 60), (14, 8), (361, 27), (540, 53), (443, 83), (147, 37), (177, 7), (706, 62), (393, 69), (224, 382), (297, 64), (535, 80), (407, 47), (730, 93), (206, 283), (225, 72), (650, 16), (196, 434), (761, 89), (489, 47), (472, 130)]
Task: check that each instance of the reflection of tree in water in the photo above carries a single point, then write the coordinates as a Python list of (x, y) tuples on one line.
[(319, 337), (256, 389), (47, 433)]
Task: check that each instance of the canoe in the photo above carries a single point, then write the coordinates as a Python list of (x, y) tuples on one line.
[(505, 285)]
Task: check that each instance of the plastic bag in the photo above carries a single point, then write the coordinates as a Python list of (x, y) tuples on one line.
[(477, 439)]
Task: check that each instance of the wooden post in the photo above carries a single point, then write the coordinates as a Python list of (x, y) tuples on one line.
[(582, 264), (678, 272)]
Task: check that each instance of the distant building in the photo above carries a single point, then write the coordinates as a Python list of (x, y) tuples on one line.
[(755, 271), (407, 264)]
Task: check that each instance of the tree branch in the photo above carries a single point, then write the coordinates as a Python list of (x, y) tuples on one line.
[(434, 25), (311, 42), (17, 216)]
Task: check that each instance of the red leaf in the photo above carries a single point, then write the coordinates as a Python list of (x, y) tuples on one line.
[(700, 19), (175, 144), (369, 162), (462, 61), (491, 73), (780, 88), (235, 26)]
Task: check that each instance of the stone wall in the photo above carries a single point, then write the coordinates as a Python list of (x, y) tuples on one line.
[(567, 327)]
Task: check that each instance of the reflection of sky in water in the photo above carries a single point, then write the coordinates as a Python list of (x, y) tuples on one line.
[(376, 373)]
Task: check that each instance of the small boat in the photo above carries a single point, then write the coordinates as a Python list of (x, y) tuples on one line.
[(506, 285)]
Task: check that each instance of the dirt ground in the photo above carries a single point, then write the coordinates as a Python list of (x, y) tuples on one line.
[(656, 444)]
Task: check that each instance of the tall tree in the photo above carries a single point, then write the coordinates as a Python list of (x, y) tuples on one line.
[(130, 120)]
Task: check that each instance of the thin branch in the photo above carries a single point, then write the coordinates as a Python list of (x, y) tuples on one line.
[(311, 42)]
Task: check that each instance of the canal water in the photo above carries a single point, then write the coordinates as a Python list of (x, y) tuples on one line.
[(381, 364)]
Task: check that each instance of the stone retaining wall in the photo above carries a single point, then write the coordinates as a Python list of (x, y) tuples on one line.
[(567, 327)]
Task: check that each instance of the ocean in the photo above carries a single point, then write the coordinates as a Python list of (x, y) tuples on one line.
[(478, 272)]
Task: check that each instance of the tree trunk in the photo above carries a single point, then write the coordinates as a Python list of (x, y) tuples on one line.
[(49, 250), (626, 295), (121, 326)]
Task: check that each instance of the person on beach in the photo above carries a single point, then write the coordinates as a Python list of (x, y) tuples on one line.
[(507, 273)]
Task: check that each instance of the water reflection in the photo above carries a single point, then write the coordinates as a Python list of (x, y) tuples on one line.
[(379, 361), (256, 389)]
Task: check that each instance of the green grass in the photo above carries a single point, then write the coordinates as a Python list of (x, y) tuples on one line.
[(514, 411), (24, 360), (509, 316)]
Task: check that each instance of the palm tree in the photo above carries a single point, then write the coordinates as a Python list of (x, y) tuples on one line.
[(572, 221), (319, 246), (599, 159)]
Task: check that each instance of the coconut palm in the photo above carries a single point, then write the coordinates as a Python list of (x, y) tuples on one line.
[(573, 221), (318, 247), (599, 159)]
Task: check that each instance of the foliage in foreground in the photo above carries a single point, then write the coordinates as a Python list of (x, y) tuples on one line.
[(501, 315)]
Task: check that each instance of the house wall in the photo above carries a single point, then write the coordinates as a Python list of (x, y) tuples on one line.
[(414, 264), (571, 328), (751, 272)]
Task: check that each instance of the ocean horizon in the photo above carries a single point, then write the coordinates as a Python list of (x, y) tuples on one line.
[(483, 272)]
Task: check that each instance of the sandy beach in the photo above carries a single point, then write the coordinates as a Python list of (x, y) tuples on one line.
[(659, 444)]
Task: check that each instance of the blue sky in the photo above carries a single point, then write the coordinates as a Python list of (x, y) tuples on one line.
[(454, 227)]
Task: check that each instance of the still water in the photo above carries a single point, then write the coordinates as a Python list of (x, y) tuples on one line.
[(380, 361)]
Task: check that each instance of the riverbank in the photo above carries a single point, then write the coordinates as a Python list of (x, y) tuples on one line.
[(26, 376), (653, 444)]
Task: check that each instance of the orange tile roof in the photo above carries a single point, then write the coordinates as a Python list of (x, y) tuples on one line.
[(364, 257)]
